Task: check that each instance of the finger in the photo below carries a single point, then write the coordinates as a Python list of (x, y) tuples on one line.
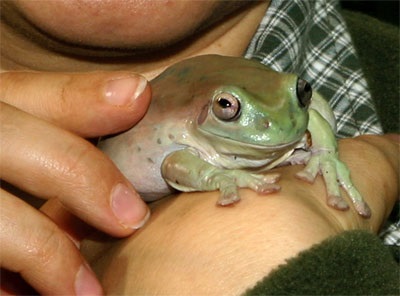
[(12, 283), (88, 104), (49, 162), (70, 224), (37, 249)]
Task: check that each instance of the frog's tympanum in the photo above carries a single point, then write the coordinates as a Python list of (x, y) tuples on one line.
[(220, 123)]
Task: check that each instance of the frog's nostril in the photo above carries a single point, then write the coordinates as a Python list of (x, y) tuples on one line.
[(267, 124)]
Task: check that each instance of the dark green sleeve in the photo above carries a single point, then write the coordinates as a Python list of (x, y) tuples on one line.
[(352, 263)]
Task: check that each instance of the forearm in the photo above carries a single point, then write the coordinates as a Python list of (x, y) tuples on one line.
[(191, 245)]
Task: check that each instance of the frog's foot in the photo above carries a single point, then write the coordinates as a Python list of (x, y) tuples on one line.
[(334, 199), (335, 173), (363, 209), (228, 196), (305, 176), (260, 183), (360, 205), (229, 184), (309, 173), (337, 202), (228, 189)]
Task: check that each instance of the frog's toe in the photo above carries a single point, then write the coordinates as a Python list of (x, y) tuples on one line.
[(271, 178), (264, 184), (267, 188), (262, 179), (363, 209), (337, 202), (227, 199), (305, 176)]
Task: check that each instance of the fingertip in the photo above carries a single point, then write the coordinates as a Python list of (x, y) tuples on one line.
[(116, 102), (126, 98), (130, 210), (86, 282), (125, 90), (142, 99)]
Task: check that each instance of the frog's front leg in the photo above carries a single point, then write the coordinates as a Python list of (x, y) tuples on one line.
[(186, 171), (325, 160)]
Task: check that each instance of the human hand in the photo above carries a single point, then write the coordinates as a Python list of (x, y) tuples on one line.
[(44, 120), (224, 251)]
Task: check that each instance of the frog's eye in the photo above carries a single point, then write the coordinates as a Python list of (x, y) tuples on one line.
[(226, 106), (304, 92)]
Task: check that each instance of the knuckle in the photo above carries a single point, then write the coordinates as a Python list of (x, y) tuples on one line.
[(60, 104), (76, 101), (65, 103), (77, 163), (46, 245), (85, 169)]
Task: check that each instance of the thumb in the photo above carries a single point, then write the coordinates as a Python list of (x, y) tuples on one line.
[(88, 104)]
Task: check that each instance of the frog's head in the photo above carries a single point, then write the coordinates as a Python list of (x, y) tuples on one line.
[(255, 106)]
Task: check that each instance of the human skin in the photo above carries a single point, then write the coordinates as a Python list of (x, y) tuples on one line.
[(222, 24), (47, 115), (190, 245)]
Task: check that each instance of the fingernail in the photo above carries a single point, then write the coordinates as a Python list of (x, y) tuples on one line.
[(86, 282), (128, 207), (122, 91)]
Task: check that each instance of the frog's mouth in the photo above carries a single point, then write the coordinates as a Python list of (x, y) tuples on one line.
[(250, 150), (231, 154), (231, 147)]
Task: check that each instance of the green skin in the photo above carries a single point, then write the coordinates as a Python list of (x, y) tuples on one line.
[(192, 140)]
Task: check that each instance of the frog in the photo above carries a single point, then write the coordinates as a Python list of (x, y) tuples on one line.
[(220, 123)]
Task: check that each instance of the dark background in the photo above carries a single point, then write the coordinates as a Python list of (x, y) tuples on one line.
[(385, 10)]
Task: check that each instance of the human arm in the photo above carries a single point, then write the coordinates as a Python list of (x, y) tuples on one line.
[(189, 245)]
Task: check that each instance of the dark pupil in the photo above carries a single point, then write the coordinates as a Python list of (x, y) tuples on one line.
[(307, 88), (224, 103)]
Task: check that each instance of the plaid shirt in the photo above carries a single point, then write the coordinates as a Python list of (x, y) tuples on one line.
[(310, 38)]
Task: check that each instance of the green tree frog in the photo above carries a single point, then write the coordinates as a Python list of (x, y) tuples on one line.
[(220, 123)]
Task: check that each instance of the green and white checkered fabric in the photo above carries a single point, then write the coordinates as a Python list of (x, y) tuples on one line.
[(310, 38)]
